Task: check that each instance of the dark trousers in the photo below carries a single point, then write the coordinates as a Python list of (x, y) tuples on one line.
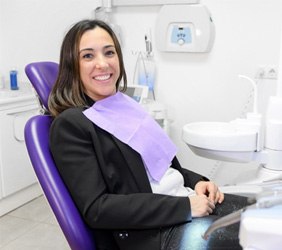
[(188, 236)]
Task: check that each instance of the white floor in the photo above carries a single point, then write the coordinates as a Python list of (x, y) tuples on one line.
[(31, 227)]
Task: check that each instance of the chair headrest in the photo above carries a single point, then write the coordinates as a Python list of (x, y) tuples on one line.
[(42, 76)]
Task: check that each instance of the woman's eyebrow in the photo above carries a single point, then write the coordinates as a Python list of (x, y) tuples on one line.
[(91, 49), (86, 49), (109, 46)]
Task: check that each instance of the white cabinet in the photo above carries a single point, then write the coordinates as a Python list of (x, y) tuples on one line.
[(18, 183)]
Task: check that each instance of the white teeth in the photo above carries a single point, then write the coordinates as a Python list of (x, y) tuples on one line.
[(102, 78)]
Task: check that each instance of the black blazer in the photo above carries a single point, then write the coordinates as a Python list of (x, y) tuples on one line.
[(110, 187)]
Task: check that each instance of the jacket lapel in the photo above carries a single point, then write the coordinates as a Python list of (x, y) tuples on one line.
[(136, 166)]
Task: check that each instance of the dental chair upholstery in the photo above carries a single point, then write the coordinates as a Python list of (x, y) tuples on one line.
[(42, 76)]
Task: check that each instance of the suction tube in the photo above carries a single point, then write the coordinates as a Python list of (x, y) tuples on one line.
[(227, 220)]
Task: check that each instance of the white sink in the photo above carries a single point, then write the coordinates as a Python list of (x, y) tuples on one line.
[(220, 136), (229, 141)]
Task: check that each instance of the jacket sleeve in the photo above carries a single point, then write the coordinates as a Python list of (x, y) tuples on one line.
[(71, 144), (190, 178)]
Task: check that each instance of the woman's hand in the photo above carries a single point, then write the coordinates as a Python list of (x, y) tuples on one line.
[(207, 195), (210, 190), (201, 205)]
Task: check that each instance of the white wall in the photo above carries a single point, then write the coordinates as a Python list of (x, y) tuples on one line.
[(194, 87), (32, 30)]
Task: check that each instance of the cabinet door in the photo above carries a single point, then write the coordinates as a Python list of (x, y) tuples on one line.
[(17, 172)]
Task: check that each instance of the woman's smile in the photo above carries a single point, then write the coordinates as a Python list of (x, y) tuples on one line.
[(102, 77)]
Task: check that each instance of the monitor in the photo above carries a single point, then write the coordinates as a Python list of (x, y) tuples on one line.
[(137, 92)]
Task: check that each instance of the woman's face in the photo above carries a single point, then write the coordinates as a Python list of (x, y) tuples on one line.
[(98, 64)]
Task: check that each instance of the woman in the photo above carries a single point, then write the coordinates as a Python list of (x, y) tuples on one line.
[(130, 200)]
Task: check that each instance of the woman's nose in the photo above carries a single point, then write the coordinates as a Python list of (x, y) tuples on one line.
[(101, 62)]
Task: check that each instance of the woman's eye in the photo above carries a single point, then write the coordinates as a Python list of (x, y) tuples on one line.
[(110, 53), (87, 56)]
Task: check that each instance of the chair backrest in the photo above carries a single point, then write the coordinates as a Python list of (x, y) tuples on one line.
[(42, 76), (77, 233)]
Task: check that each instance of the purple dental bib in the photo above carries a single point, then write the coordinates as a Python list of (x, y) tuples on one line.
[(124, 118)]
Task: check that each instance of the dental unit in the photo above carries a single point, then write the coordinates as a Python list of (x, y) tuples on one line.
[(253, 139), (243, 140)]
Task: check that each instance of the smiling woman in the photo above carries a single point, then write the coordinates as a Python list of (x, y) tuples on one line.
[(118, 163)]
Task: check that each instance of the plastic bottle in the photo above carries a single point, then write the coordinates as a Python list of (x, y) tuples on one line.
[(14, 79)]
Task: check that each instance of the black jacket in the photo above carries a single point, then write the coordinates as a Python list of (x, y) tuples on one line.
[(110, 187)]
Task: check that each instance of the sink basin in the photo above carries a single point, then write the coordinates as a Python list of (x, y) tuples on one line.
[(226, 141), (220, 136)]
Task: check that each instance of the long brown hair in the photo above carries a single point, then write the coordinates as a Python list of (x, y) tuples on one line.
[(68, 89)]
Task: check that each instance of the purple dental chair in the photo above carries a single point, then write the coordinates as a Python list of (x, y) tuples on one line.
[(42, 76)]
